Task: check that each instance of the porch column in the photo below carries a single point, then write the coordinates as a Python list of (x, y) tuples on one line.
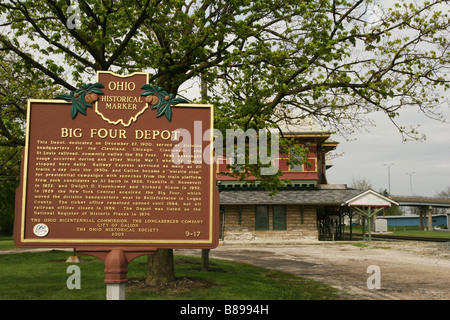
[(430, 220), (368, 215), (422, 211)]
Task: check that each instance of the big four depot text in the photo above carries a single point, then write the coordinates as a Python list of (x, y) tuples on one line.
[(103, 133)]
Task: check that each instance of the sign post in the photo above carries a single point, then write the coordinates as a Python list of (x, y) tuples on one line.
[(117, 169)]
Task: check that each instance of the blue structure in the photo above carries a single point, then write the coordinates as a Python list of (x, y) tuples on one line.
[(406, 221)]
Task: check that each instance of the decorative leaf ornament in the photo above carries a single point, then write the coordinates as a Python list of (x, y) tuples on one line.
[(83, 97), (88, 93), (160, 100)]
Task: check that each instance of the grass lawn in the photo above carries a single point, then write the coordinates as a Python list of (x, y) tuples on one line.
[(418, 233), (6, 243), (43, 276), (407, 231)]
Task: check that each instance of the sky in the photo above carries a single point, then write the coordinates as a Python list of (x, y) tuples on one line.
[(419, 167)]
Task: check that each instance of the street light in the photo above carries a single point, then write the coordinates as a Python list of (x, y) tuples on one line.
[(410, 180), (389, 175)]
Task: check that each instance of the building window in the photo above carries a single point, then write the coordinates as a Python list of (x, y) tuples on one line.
[(262, 218), (294, 166), (279, 217)]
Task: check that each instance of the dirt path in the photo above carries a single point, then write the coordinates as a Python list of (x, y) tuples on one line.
[(408, 270)]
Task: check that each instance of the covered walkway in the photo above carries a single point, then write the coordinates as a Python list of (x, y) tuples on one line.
[(368, 204), (425, 206)]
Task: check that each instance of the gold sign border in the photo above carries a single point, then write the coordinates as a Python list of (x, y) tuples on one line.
[(111, 241)]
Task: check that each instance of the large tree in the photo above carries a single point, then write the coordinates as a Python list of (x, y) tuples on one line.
[(264, 61), (17, 84)]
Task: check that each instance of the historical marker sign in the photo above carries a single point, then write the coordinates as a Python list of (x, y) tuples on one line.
[(119, 163)]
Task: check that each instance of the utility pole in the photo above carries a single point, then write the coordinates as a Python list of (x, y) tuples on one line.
[(410, 181), (389, 175)]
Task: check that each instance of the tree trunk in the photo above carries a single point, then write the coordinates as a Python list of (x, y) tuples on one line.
[(160, 267), (205, 260)]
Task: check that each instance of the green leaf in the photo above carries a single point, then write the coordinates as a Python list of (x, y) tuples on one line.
[(153, 90), (77, 107), (146, 86), (159, 104), (95, 90), (176, 101), (169, 114), (147, 93), (162, 110), (79, 104), (98, 85)]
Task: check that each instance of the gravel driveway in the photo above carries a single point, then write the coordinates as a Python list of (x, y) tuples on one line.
[(407, 270)]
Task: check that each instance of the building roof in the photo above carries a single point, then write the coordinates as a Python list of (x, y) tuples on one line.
[(313, 197), (370, 198)]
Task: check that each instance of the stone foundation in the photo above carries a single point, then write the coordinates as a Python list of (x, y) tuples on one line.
[(271, 236), (301, 224)]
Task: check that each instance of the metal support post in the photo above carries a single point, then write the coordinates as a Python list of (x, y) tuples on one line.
[(116, 266), (115, 291)]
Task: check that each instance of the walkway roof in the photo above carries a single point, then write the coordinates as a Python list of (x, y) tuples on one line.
[(421, 201), (370, 198)]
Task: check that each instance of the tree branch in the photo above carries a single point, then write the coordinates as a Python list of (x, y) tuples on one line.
[(35, 64), (130, 34)]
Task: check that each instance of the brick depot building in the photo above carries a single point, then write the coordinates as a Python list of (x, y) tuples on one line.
[(307, 209)]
